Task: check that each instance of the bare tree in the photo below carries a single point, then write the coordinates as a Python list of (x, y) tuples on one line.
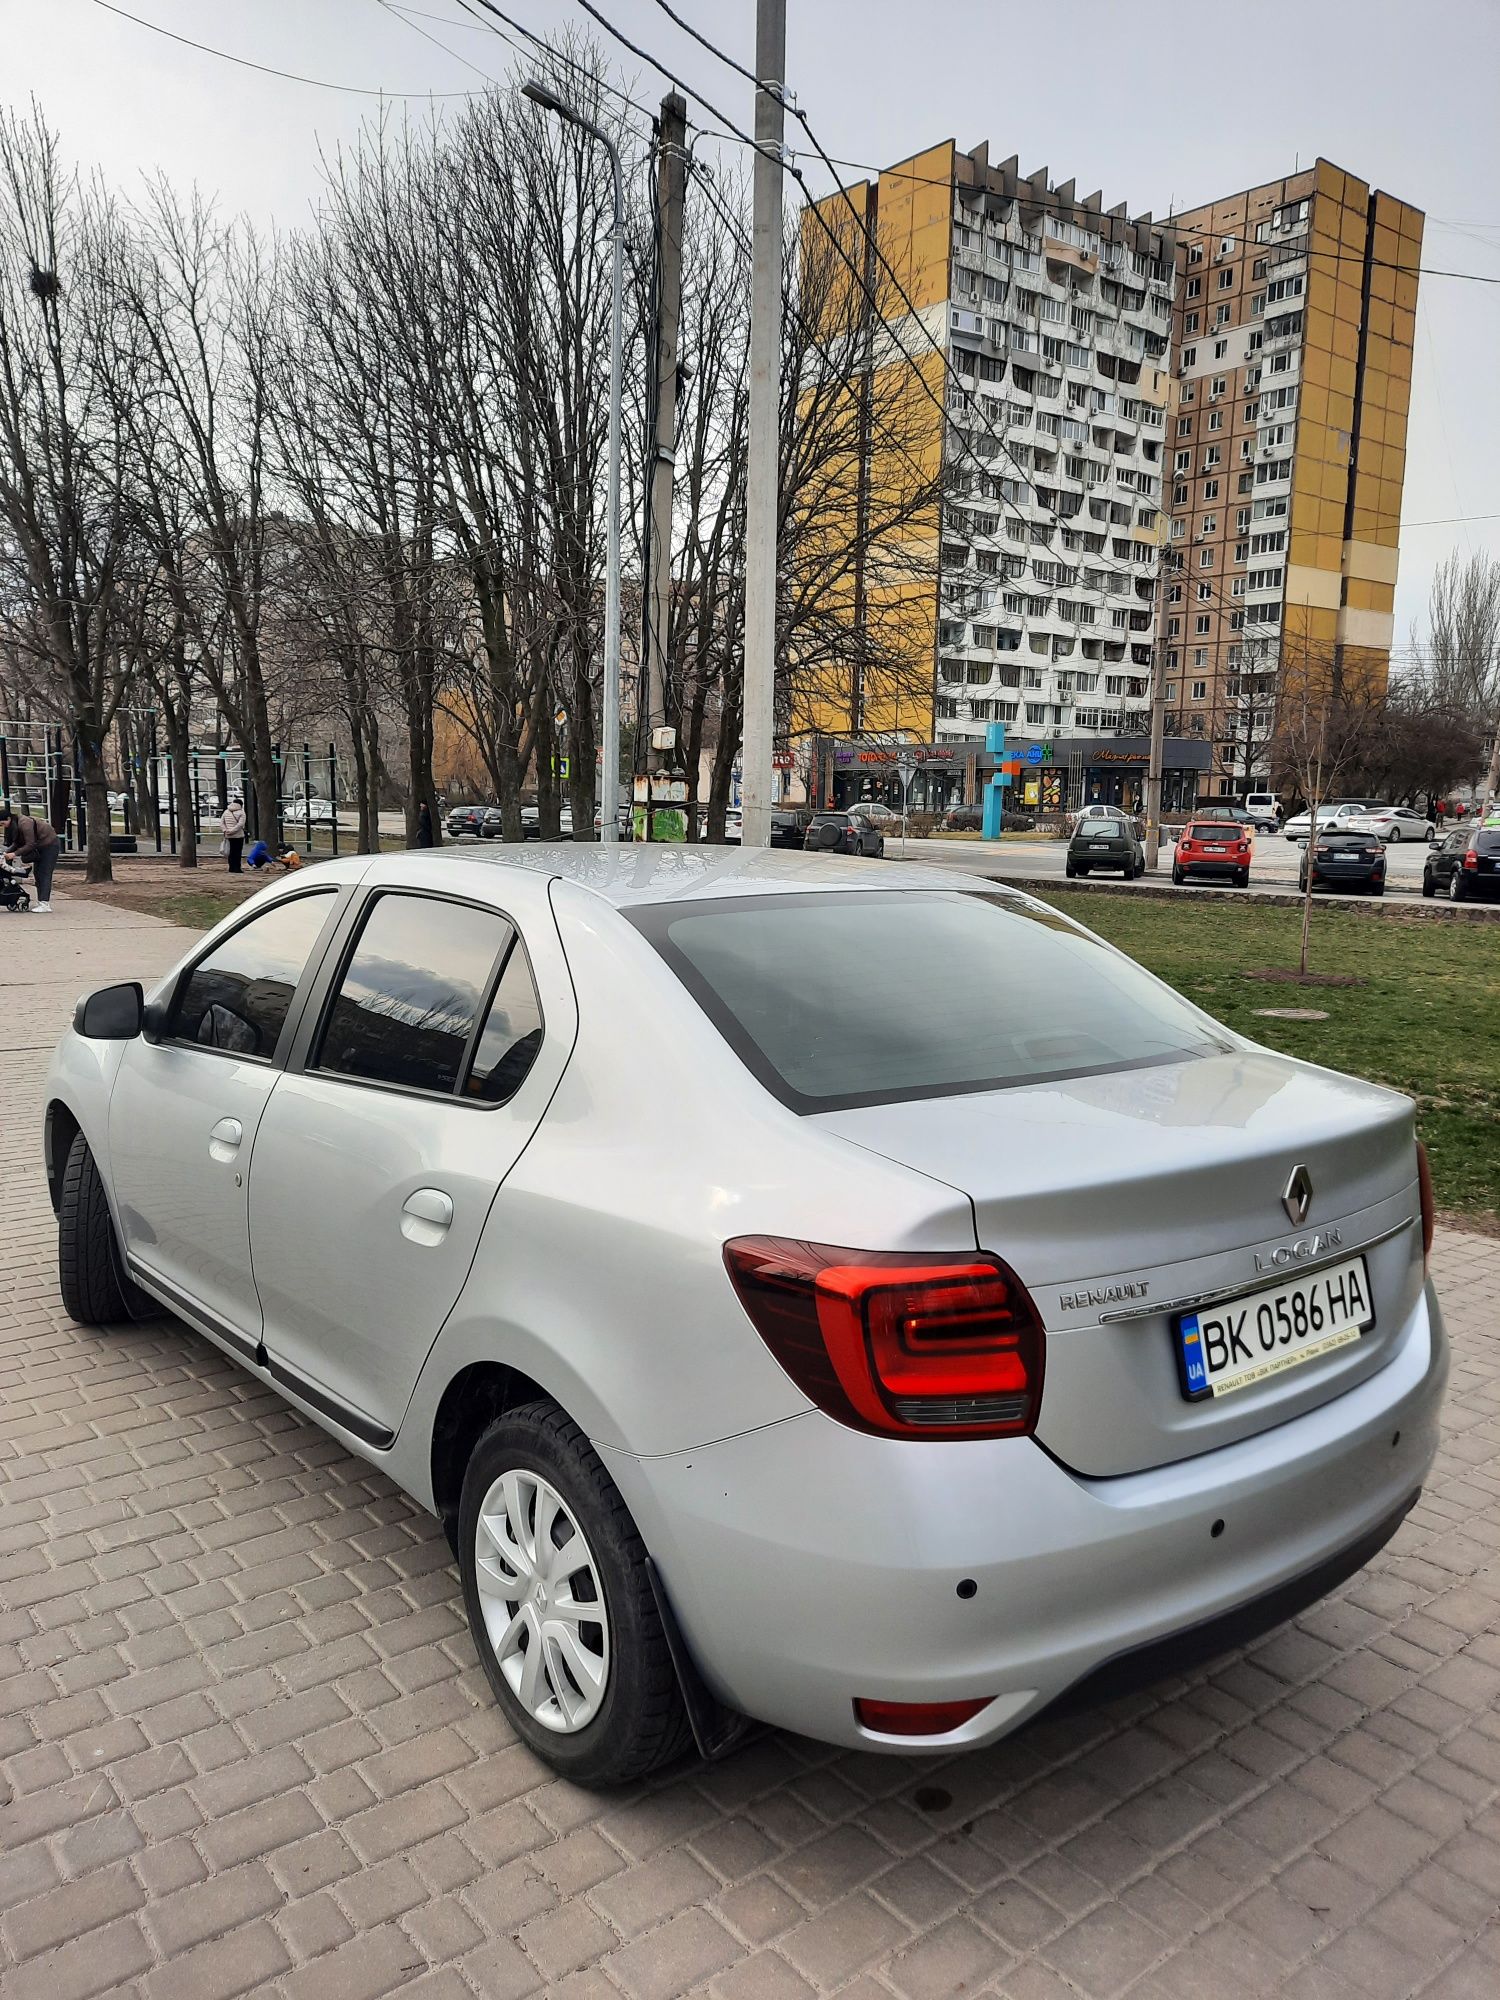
[(67, 379), (1463, 649), (1328, 716)]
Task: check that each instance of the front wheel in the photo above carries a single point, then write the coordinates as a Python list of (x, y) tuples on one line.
[(560, 1603), (1429, 887), (1069, 870), (90, 1271), (1394, 836)]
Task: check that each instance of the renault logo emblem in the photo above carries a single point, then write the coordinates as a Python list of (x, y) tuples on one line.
[(1297, 1197)]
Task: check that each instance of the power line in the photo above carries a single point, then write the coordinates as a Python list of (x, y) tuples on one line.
[(266, 69), (550, 50), (408, 20)]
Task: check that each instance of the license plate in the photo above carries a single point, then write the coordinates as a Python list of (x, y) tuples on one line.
[(1216, 850), (1247, 1340)]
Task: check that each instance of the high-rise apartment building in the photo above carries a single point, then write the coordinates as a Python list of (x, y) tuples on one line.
[(1042, 321), (1294, 324)]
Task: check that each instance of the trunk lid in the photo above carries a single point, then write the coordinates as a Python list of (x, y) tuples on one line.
[(1119, 1199)]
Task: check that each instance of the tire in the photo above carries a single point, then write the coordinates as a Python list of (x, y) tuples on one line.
[(90, 1272), (1177, 875), (1242, 878), (1394, 836), (1377, 889), (1429, 887), (1069, 870), (1455, 887), (637, 1721), (1081, 871)]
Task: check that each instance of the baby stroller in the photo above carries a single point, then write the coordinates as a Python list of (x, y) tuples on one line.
[(13, 891)]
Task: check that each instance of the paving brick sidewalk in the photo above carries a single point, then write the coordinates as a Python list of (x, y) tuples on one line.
[(245, 1745)]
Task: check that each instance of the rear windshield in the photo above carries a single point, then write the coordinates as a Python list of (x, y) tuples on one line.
[(1487, 842), (1212, 829), (869, 997)]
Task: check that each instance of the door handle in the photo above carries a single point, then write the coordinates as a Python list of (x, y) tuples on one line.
[(425, 1216), (224, 1139)]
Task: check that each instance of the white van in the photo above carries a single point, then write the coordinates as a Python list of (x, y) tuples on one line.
[(1264, 810)]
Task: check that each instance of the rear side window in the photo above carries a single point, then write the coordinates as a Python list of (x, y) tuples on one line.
[(815, 994), (405, 1010), (511, 1035), (236, 998)]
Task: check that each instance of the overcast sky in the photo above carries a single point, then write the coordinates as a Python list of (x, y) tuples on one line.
[(1400, 92)]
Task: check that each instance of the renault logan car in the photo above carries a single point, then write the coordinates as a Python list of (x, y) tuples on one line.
[(771, 1341)]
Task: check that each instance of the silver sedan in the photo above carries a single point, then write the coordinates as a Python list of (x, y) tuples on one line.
[(776, 1333)]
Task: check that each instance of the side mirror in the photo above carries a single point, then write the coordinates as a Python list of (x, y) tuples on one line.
[(113, 1014)]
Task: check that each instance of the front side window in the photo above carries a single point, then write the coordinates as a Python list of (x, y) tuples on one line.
[(237, 997), (405, 1009), (1027, 997)]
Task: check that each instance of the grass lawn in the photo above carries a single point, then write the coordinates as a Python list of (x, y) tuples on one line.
[(1427, 1020)]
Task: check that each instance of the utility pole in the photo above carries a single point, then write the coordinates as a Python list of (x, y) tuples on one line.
[(671, 181), (1158, 731), (758, 737)]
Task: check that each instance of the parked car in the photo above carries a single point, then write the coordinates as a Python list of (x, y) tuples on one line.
[(1264, 810), (531, 821), (305, 812), (900, 1497), (843, 833), (624, 820), (877, 814), (789, 826), (1104, 842), (1097, 811), (1225, 810), (963, 819), (481, 822), (1393, 824), (1339, 859), (1213, 847), (1336, 813), (1464, 866)]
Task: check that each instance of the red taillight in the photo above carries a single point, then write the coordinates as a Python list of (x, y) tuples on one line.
[(912, 1344), (1471, 859), (917, 1718), (1429, 1207), (1184, 846)]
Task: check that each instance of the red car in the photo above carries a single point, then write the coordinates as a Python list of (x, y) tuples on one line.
[(1213, 847)]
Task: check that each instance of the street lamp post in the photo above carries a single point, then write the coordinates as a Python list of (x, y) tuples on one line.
[(609, 789)]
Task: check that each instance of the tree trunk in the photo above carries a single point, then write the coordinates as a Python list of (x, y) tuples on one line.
[(182, 785), (96, 792)]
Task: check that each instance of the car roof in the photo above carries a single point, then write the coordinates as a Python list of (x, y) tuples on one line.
[(647, 872)]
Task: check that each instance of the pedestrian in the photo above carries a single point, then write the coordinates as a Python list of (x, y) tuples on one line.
[(258, 855), (424, 825), (232, 827), (33, 840), (289, 858)]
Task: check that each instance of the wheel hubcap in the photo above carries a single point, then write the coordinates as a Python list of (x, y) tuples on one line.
[(542, 1600)]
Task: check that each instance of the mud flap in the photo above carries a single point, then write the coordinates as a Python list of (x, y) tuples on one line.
[(716, 1729)]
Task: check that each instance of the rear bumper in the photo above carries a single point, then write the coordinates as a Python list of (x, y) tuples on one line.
[(809, 1564)]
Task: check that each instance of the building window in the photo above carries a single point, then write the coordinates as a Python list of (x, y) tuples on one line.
[(1195, 253), (1242, 549), (1174, 593), (1182, 462), (1257, 270), (1221, 315), (1214, 455), (1216, 420), (1179, 495), (1209, 525), (1194, 288), (1220, 382), (1202, 625), (1210, 489), (1184, 427), (1226, 280), (1190, 325), (1200, 656), (1242, 519), (1205, 558), (1189, 358), (1205, 592), (1200, 690)]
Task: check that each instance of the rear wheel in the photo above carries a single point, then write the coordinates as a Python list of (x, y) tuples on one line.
[(1177, 875), (1455, 887), (560, 1603), (1242, 878), (1429, 887), (1377, 889), (90, 1271)]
